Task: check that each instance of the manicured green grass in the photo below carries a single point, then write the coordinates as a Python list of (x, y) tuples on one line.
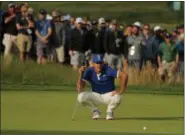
[(50, 112)]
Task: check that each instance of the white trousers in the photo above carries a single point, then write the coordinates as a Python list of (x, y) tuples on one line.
[(92, 99), (9, 41)]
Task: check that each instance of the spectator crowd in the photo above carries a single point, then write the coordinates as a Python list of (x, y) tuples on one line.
[(69, 40)]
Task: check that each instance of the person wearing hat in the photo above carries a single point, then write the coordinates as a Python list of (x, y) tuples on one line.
[(98, 46), (168, 59), (24, 26), (114, 45), (77, 46), (101, 77), (9, 29), (180, 30), (43, 33), (148, 55), (98, 37), (72, 22), (57, 37), (158, 39), (180, 49), (175, 35), (135, 42), (68, 24)]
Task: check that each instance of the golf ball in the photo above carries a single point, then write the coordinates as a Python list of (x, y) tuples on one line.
[(144, 128)]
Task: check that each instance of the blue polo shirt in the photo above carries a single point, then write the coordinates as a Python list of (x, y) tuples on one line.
[(42, 27), (103, 82)]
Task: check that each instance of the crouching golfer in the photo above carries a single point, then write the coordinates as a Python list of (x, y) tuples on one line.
[(101, 77)]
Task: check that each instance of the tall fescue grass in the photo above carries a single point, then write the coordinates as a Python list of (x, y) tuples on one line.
[(30, 72)]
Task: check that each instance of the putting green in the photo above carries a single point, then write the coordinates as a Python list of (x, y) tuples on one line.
[(50, 112)]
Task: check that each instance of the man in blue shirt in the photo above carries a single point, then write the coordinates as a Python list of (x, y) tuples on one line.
[(43, 33), (101, 77)]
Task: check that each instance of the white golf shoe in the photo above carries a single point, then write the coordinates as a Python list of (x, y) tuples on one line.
[(109, 116), (96, 114)]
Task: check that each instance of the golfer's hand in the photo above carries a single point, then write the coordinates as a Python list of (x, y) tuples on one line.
[(115, 92), (79, 86), (81, 70)]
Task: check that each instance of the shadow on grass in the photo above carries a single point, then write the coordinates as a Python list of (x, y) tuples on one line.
[(20, 132), (151, 118)]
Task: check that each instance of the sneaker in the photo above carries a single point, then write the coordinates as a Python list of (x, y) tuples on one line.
[(109, 116), (96, 114)]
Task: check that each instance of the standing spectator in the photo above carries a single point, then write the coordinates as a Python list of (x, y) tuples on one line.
[(114, 43), (180, 29), (1, 31), (72, 22), (43, 33), (9, 29), (89, 40), (158, 39), (175, 35), (66, 37), (24, 26), (32, 53), (58, 36), (98, 36), (128, 30), (168, 59), (148, 42), (77, 44), (126, 33), (135, 42), (180, 49)]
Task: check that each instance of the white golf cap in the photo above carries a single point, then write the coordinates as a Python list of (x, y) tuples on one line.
[(101, 20), (138, 24), (30, 10), (89, 23), (67, 17), (79, 20), (156, 28), (49, 17)]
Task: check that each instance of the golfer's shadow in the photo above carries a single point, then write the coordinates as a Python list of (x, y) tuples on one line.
[(151, 118)]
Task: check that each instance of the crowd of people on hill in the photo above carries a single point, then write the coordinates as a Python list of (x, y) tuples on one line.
[(69, 40)]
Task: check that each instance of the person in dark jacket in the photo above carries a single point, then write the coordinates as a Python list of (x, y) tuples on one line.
[(147, 52), (135, 42), (158, 39), (96, 37), (114, 45), (1, 30), (180, 49), (77, 46)]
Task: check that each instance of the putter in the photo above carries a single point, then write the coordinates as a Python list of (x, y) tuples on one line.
[(83, 63), (75, 108)]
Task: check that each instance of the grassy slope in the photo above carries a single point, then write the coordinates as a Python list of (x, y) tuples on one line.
[(29, 112), (30, 76), (125, 11)]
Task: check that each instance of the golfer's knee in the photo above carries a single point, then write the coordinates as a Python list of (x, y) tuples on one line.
[(116, 99), (82, 97)]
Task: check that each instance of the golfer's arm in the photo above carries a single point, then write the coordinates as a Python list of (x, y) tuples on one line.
[(81, 83), (123, 78)]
